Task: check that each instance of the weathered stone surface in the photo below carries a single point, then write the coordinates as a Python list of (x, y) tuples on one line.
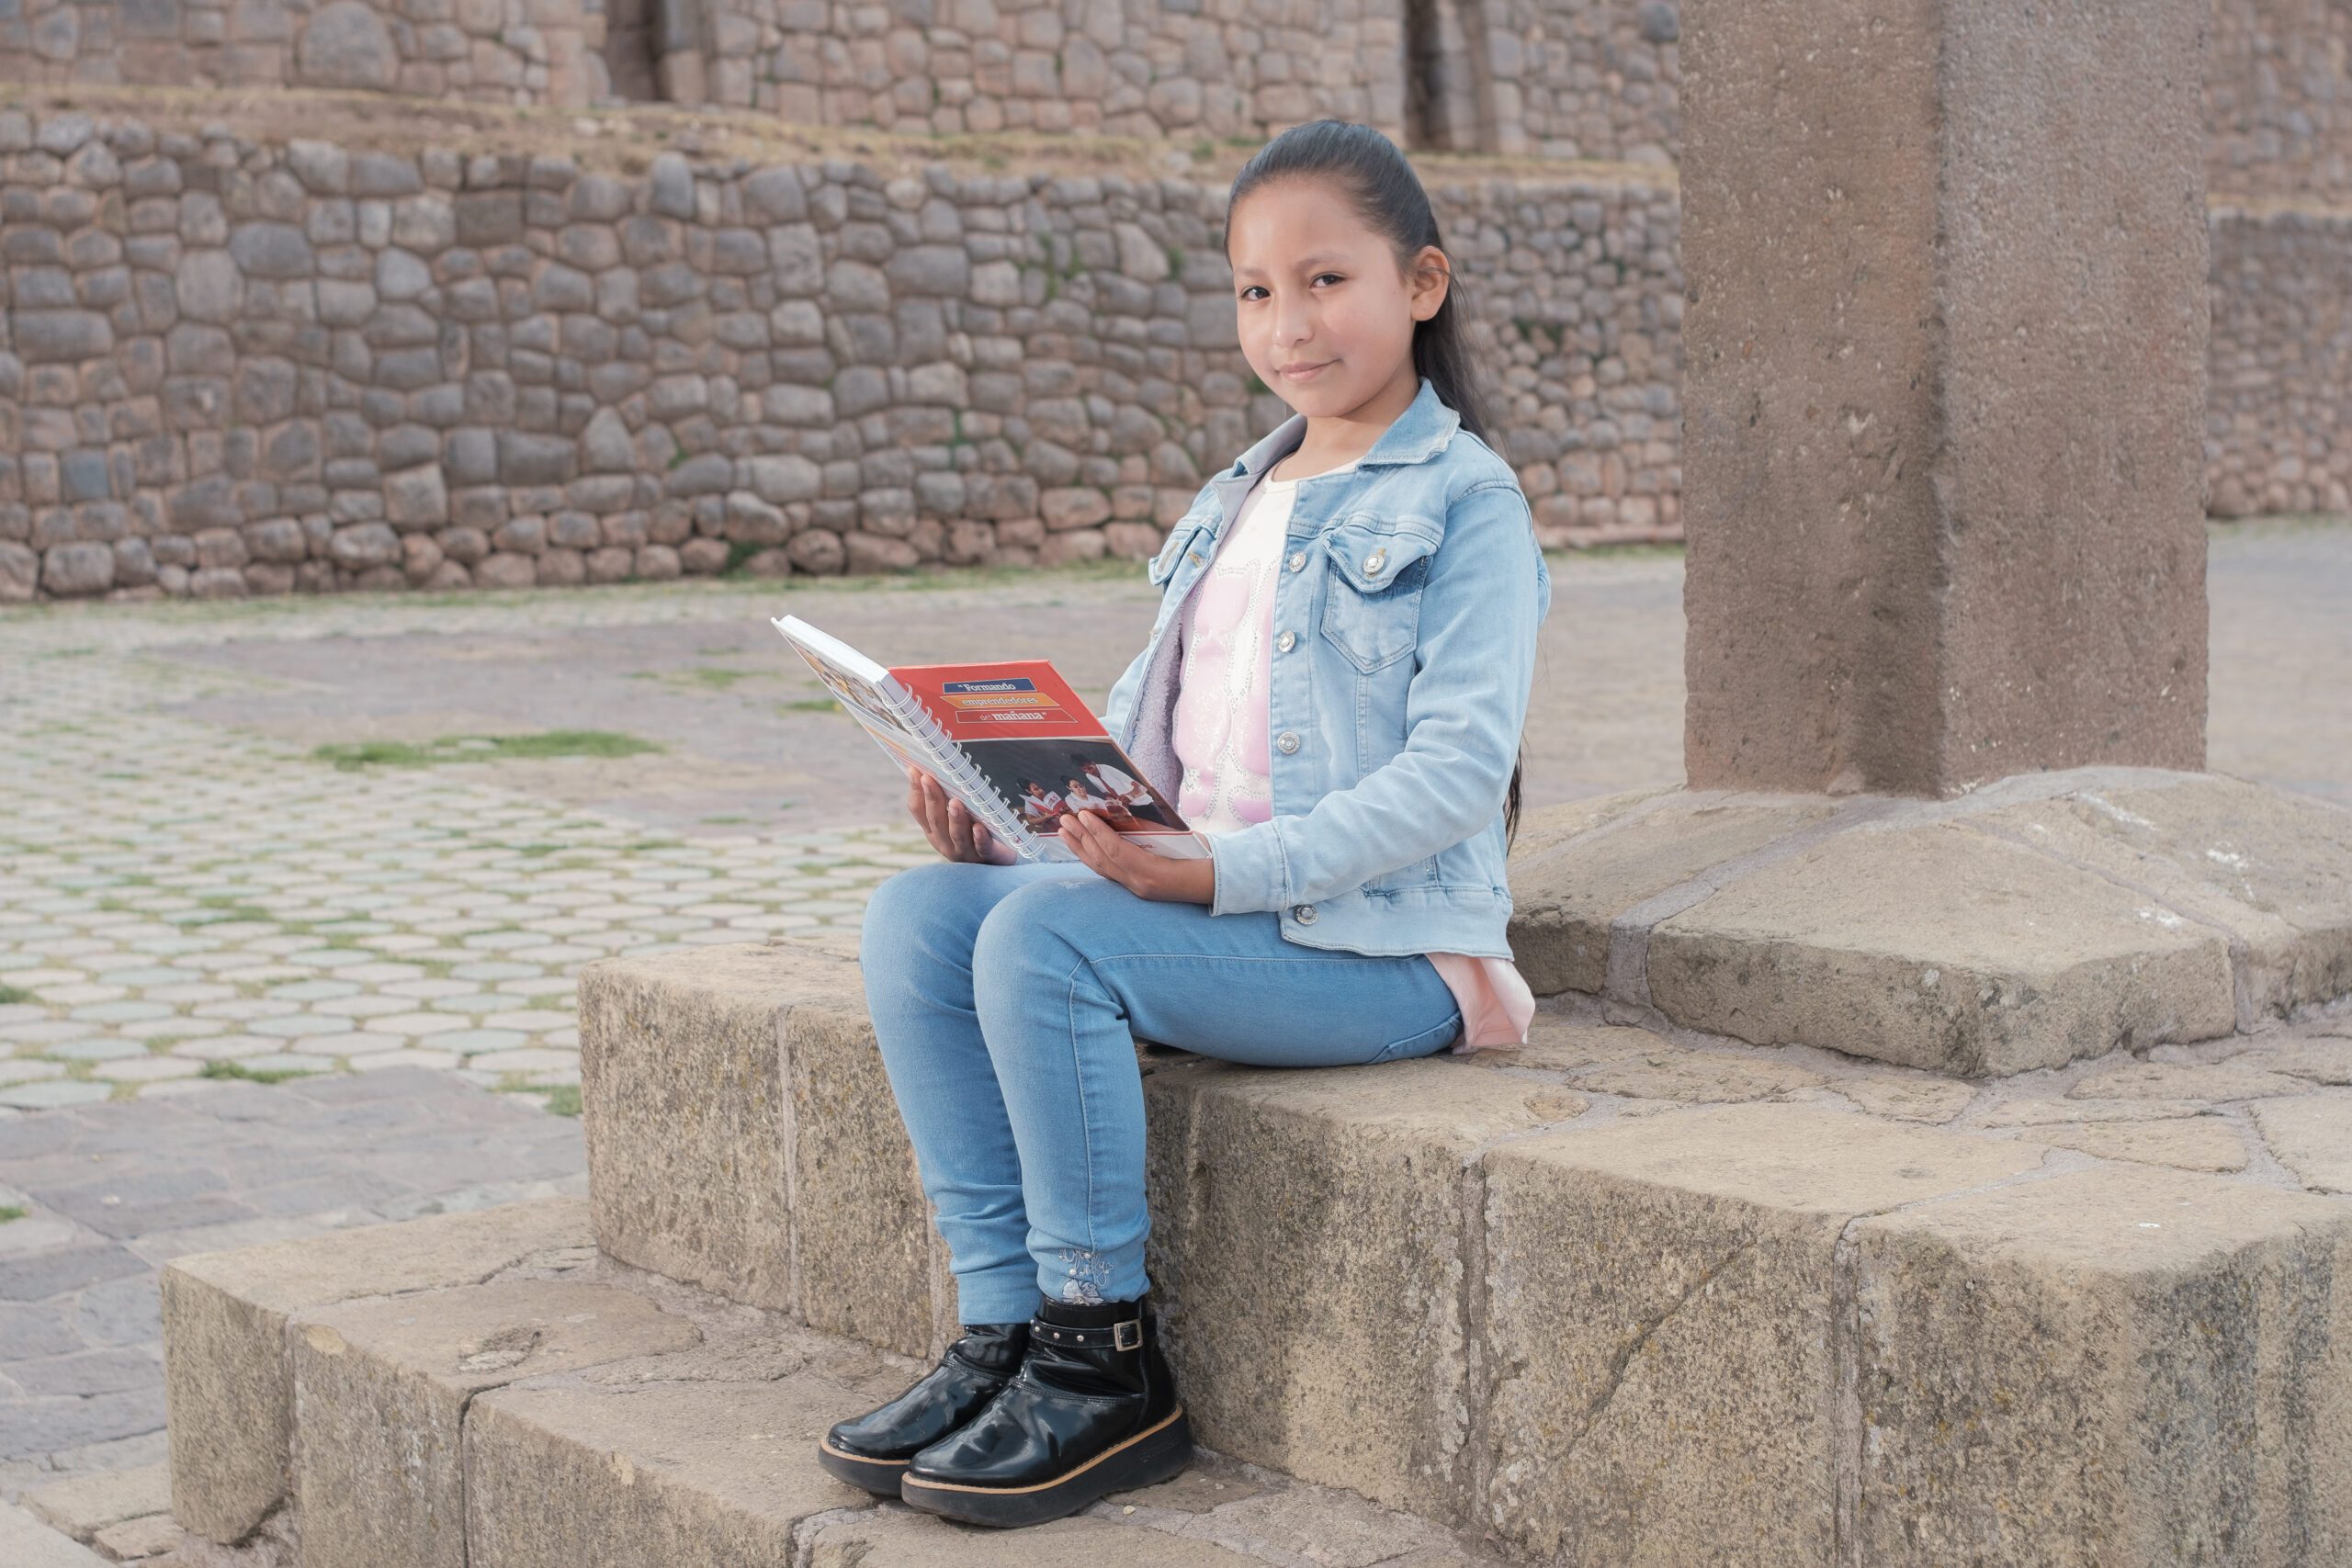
[(88, 1504), (1697, 1076), (2190, 1143), (916, 1540), (2311, 1135), (1860, 616), (2122, 1364), (681, 1076), (25, 1542), (1659, 1313), (1919, 1098), (2273, 869), (869, 1260), (2323, 1058), (1317, 1245), (1934, 947), (225, 1382), (713, 1473), (382, 1388), (1566, 899), (2237, 1080)]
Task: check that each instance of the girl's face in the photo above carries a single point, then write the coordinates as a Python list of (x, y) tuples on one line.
[(1325, 313)]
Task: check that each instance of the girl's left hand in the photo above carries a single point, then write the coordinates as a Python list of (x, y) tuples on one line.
[(1141, 872)]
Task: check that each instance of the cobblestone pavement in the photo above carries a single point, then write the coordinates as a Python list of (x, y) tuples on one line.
[(111, 1193), (187, 893)]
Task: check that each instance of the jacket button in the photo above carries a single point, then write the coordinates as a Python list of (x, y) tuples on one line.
[(1304, 914), (1283, 643), (1297, 560), (1373, 562), (1287, 742)]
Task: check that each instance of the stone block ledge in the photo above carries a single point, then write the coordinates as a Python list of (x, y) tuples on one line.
[(1612, 1256), (2046, 919)]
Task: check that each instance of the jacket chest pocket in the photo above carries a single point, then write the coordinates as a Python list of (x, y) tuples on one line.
[(1187, 546), (1375, 569)]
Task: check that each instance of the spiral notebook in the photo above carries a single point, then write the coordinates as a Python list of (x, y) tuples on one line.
[(1008, 739)]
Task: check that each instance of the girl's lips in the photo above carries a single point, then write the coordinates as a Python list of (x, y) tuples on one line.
[(1308, 373)]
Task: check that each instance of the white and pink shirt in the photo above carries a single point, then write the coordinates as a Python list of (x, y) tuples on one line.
[(1225, 633)]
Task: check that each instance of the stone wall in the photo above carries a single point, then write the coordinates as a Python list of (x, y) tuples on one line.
[(2278, 400), (2279, 99), (232, 368), (1121, 68), (506, 51), (1573, 79)]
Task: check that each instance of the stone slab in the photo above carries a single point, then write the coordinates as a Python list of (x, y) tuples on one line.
[(1936, 947), (229, 1400), (867, 1258), (88, 1504), (25, 1542), (382, 1388), (706, 1472), (1316, 1240), (2271, 868), (681, 1096), (2188, 1143), (908, 1540), (2122, 1364), (2311, 1135), (1565, 900), (1659, 1312)]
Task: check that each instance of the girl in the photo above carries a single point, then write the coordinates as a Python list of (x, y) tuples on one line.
[(1338, 676)]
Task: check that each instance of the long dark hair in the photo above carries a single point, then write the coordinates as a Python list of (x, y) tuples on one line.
[(1369, 170)]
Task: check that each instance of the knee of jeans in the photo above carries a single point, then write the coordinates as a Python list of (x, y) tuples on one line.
[(1030, 933), (904, 912)]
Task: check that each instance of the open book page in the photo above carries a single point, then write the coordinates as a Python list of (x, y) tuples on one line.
[(1045, 751), (1011, 740)]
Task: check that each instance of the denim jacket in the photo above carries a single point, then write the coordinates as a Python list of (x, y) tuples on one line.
[(1405, 614)]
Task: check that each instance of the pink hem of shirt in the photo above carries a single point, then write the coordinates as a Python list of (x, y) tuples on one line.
[(1496, 1006)]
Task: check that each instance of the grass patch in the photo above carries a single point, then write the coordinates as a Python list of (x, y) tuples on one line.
[(705, 677), (563, 1100), (353, 756), (14, 995), (725, 821), (221, 913), (812, 705), (267, 1075), (17, 1211)]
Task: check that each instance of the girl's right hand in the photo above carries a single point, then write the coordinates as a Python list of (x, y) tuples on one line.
[(952, 830)]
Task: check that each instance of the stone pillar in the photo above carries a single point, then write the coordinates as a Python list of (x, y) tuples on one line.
[(1943, 436)]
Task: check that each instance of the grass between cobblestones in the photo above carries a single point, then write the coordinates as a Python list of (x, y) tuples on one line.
[(352, 756), (184, 904)]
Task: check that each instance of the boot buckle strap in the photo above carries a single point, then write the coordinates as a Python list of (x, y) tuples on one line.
[(1127, 1335)]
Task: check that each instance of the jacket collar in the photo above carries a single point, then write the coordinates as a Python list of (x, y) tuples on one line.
[(1415, 436)]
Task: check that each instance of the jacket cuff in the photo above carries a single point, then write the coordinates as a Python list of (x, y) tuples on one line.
[(1252, 872)]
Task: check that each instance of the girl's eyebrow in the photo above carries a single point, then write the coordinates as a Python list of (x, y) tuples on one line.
[(1318, 259)]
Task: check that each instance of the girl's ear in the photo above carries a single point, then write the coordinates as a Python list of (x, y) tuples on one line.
[(1426, 278)]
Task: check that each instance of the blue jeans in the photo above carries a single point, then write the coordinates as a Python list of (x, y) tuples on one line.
[(1007, 1000)]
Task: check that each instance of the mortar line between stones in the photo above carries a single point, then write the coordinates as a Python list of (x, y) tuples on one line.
[(805, 1533), (1627, 971), (2242, 1008)]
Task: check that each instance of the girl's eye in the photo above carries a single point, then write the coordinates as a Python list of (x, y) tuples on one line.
[(1260, 288)]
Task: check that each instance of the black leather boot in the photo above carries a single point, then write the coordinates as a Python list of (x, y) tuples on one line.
[(1092, 1410), (872, 1449)]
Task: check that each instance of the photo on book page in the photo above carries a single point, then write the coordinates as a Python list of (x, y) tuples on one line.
[(1046, 781)]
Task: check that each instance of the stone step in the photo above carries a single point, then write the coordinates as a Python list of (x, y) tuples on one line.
[(1613, 1297), (566, 1411), (2051, 917)]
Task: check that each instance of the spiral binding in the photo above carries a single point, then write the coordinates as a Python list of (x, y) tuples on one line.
[(1006, 823)]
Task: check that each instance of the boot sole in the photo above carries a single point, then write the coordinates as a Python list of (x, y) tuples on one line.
[(1156, 1454), (879, 1476)]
